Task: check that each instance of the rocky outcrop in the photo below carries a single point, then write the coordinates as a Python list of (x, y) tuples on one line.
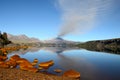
[(26, 66)]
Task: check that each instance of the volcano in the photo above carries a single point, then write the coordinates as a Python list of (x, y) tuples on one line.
[(58, 40)]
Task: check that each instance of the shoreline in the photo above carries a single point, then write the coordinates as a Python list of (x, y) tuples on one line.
[(17, 74)]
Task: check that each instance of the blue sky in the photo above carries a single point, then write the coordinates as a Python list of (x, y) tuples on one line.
[(42, 19)]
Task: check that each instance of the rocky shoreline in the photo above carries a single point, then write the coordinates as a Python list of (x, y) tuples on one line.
[(17, 74), (27, 71)]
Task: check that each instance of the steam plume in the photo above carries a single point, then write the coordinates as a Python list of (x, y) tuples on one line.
[(80, 15)]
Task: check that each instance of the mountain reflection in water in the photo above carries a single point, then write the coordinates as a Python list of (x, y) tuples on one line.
[(92, 65)]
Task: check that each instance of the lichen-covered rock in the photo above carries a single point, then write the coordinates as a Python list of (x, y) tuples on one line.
[(47, 64), (72, 73)]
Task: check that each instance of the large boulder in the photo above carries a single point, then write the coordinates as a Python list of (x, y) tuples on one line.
[(72, 73)]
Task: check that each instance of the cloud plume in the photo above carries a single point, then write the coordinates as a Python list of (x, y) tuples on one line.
[(79, 16)]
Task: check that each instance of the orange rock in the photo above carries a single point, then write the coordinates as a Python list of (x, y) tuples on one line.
[(2, 58), (15, 57), (33, 69), (58, 70), (4, 65), (11, 63), (33, 63), (26, 64), (1, 62), (21, 60), (28, 67), (35, 60), (72, 73), (23, 67), (40, 68), (47, 64)]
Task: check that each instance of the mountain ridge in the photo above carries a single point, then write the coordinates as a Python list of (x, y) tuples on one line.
[(22, 38)]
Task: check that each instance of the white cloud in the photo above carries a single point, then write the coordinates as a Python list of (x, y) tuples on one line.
[(80, 15)]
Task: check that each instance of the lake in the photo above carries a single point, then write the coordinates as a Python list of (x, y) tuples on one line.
[(92, 65)]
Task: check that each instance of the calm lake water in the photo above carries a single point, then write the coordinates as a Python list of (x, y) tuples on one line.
[(92, 65)]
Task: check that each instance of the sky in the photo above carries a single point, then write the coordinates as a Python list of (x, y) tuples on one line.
[(44, 19)]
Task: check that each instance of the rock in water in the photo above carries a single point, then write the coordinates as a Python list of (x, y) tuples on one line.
[(57, 70), (72, 73), (35, 60), (47, 64)]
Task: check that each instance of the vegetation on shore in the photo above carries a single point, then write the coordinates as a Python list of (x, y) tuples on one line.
[(110, 45), (4, 39)]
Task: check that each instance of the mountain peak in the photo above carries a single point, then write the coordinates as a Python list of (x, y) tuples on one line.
[(58, 38)]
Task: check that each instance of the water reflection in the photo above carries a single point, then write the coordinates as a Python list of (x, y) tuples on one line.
[(91, 65), (64, 49), (24, 51), (59, 49), (107, 50), (77, 63), (48, 49)]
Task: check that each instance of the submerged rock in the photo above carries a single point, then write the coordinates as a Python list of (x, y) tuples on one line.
[(57, 70), (40, 68)]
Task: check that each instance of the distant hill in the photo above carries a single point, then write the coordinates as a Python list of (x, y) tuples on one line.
[(108, 45), (22, 39)]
